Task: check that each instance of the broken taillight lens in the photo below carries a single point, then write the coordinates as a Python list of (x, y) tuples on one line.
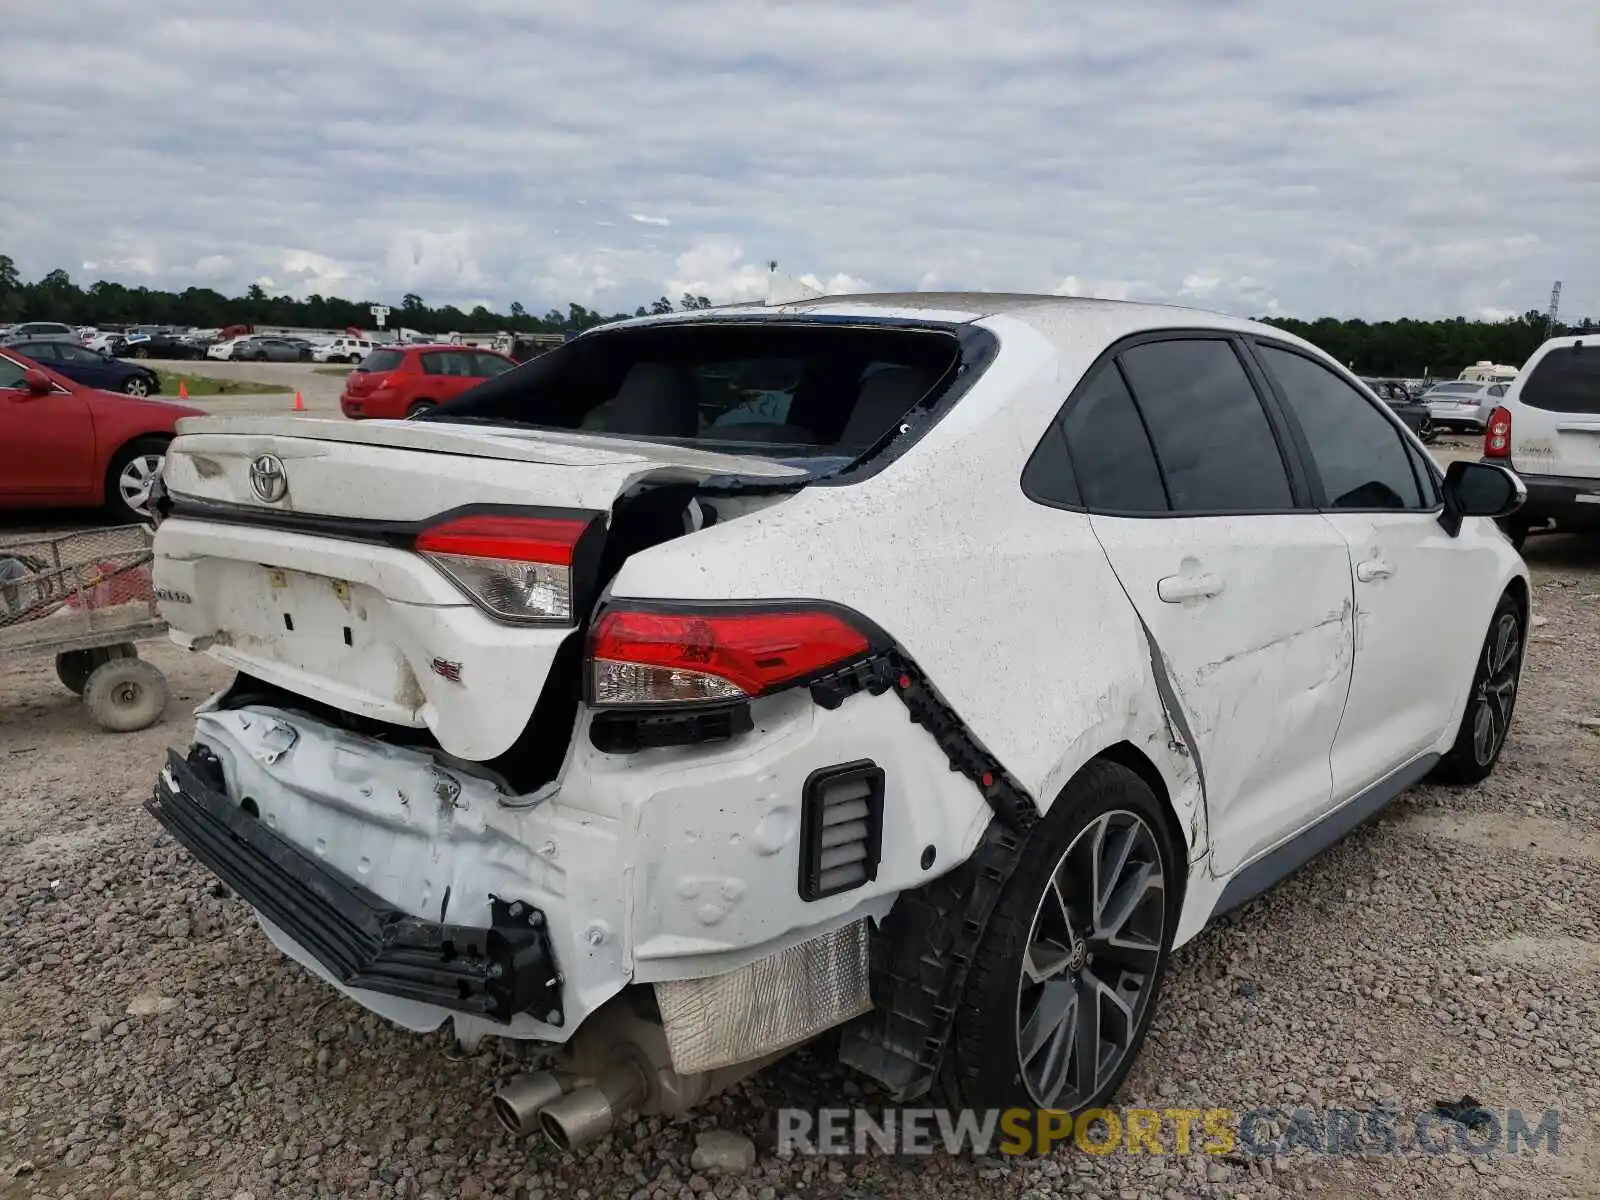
[(516, 568), (648, 657), (1497, 434)]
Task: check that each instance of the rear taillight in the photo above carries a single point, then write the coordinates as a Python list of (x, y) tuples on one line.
[(516, 568), (646, 657), (1497, 434)]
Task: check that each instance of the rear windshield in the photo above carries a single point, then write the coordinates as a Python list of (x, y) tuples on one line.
[(1456, 387), (382, 360), (790, 391), (1565, 380)]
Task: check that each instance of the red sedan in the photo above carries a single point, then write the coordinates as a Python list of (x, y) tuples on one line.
[(393, 383), (65, 445)]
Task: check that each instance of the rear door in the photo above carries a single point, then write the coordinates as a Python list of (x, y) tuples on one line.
[(1422, 598), (1244, 590), (1555, 428)]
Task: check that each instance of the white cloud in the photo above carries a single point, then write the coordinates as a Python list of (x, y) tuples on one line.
[(839, 284), (1241, 155), (717, 269)]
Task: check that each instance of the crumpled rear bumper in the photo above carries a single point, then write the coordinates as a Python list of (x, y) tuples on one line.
[(358, 938)]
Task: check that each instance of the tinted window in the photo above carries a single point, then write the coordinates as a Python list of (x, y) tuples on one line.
[(1048, 476), (382, 360), (1357, 451), (1110, 451), (42, 352), (1211, 435), (10, 373), (1565, 380), (433, 364), (78, 354)]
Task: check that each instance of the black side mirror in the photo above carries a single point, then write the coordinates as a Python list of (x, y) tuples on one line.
[(1479, 489)]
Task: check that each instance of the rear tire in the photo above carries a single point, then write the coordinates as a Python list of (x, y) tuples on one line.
[(126, 694), (136, 385), (1491, 701), (74, 667), (1065, 980)]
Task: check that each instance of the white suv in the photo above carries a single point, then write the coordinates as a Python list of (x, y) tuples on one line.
[(1006, 644), (1547, 429), (343, 349)]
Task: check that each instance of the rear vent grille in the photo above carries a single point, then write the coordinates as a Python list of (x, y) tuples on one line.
[(841, 829)]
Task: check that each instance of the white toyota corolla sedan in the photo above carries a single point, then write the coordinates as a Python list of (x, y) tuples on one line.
[(924, 666)]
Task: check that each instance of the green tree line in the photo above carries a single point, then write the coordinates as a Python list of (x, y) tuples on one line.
[(1405, 347)]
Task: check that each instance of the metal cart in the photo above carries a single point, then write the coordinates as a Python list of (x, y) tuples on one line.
[(86, 597)]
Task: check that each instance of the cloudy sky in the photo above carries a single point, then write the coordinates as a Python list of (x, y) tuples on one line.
[(1365, 158)]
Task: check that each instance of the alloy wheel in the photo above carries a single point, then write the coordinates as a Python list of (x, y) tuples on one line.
[(137, 386), (133, 484), (1496, 692), (1090, 963)]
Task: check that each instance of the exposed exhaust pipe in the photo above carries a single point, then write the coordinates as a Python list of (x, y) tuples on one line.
[(589, 1113), (518, 1104)]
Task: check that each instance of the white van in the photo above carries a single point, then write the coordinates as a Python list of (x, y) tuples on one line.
[(1547, 429)]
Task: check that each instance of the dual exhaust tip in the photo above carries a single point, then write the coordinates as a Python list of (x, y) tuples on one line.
[(569, 1119)]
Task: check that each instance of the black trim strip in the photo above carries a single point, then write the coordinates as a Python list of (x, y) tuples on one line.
[(1277, 865), (360, 938)]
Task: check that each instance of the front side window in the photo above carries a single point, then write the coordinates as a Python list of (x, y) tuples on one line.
[(11, 373), (487, 366), (1212, 438), (1358, 453)]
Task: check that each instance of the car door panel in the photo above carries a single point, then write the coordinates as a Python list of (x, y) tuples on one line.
[(1255, 629), (47, 448), (1249, 610), (1415, 625)]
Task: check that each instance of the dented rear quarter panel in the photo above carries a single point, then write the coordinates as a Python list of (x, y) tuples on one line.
[(1009, 607)]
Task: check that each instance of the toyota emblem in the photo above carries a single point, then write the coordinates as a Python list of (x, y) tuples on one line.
[(268, 479)]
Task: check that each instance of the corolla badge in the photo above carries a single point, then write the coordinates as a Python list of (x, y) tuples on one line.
[(268, 479)]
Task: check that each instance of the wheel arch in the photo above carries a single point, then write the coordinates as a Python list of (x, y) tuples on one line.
[(1126, 754), (122, 447)]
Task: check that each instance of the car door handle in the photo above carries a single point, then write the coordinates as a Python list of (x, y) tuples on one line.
[(1175, 589), (1372, 570)]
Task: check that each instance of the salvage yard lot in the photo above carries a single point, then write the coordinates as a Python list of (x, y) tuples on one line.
[(155, 1044)]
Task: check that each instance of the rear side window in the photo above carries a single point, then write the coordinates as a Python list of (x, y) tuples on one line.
[(1212, 438), (1110, 452), (382, 360), (1565, 380), (1358, 453)]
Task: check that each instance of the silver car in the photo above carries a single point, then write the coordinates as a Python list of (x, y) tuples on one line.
[(1463, 403), (270, 349)]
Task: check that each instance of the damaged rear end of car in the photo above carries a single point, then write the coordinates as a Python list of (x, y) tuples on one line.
[(463, 780)]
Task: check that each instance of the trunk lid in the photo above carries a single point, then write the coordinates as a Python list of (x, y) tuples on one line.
[(313, 591)]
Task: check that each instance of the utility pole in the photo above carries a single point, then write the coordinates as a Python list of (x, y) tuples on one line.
[(1555, 307)]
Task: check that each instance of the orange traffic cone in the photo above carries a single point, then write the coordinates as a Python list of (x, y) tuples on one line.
[(299, 404), (183, 389)]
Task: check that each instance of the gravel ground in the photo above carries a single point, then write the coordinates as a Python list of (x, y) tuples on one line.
[(153, 1044)]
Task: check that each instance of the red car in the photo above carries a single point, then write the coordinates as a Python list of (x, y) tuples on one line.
[(66, 445), (402, 381)]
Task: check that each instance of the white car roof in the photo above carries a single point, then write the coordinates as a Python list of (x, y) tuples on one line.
[(1062, 319)]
